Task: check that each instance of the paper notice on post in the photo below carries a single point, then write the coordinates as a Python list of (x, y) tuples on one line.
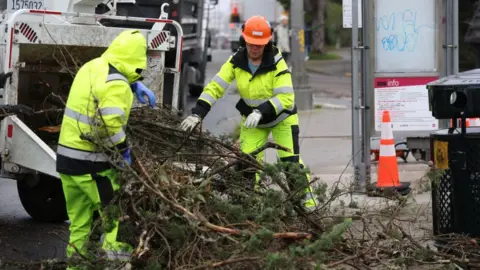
[(347, 8), (407, 101)]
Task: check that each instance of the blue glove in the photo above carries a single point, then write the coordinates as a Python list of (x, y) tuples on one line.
[(127, 156), (141, 91)]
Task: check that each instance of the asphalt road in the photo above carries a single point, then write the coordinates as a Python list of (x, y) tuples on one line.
[(22, 239)]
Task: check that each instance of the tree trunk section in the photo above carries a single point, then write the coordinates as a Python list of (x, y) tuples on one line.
[(318, 42)]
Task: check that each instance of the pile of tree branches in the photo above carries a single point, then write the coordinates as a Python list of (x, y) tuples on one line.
[(188, 201)]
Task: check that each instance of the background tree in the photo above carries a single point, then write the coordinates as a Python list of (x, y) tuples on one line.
[(323, 19), (469, 53), (315, 17)]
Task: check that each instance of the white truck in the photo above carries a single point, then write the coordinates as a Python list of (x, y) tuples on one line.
[(44, 42), (192, 16)]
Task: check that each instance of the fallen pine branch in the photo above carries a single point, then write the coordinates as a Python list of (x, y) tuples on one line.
[(198, 210), (227, 262)]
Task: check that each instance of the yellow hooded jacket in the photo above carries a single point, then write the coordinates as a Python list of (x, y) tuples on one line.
[(99, 104)]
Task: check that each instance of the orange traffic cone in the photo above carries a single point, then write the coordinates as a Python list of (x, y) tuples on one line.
[(388, 177)]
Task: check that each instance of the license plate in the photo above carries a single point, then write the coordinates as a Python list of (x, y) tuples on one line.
[(25, 4)]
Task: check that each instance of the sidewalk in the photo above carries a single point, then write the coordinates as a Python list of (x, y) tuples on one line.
[(341, 67), (326, 146)]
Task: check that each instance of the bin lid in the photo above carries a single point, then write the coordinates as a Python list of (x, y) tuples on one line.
[(470, 131), (469, 77)]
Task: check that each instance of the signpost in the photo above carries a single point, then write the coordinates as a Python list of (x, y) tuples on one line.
[(352, 18), (400, 48)]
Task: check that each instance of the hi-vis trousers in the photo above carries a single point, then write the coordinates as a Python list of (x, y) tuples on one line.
[(85, 194), (286, 134)]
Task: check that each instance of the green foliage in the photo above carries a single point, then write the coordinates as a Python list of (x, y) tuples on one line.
[(224, 218), (177, 232), (254, 244), (434, 175), (334, 31), (467, 56), (328, 239), (326, 56), (110, 213), (276, 261), (233, 212), (315, 250), (154, 265), (265, 234), (285, 4)]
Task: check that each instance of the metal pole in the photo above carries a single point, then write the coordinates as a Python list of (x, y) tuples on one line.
[(356, 143), (365, 175), (303, 93), (445, 60), (445, 39), (455, 37), (203, 63), (450, 37)]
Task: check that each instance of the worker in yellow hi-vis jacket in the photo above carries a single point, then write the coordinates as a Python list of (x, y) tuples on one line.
[(267, 101), (96, 113)]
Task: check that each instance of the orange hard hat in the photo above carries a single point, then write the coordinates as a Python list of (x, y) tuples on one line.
[(257, 31)]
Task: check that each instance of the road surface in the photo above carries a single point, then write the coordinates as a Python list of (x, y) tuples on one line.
[(22, 239)]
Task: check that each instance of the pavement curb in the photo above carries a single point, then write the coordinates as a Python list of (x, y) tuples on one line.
[(319, 72), (316, 110), (322, 66), (331, 106)]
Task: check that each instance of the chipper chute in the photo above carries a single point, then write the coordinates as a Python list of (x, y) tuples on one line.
[(43, 50)]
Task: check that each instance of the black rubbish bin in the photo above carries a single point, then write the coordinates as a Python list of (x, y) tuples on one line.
[(456, 153), (456, 193)]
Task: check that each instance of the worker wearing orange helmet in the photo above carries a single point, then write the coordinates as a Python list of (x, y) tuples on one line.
[(267, 101)]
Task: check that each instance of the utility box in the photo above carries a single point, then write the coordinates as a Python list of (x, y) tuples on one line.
[(455, 153)]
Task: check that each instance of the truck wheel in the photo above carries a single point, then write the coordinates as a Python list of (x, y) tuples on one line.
[(42, 197)]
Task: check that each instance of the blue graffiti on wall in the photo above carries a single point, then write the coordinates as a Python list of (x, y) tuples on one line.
[(398, 31)]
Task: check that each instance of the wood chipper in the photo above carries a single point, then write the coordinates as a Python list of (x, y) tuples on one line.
[(44, 43)]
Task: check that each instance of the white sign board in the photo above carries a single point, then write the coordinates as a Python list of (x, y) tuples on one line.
[(407, 101), (347, 8), (405, 36), (25, 4)]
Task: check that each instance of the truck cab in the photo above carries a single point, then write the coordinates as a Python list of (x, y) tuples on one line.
[(191, 14)]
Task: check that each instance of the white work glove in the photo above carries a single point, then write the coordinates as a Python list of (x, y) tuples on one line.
[(190, 122), (253, 119)]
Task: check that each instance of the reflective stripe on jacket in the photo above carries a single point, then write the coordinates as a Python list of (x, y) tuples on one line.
[(99, 104), (269, 90)]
